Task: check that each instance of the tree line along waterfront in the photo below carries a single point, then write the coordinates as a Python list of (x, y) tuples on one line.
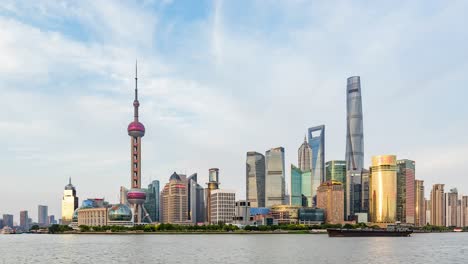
[(223, 228)]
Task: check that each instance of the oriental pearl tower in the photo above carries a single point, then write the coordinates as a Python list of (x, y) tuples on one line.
[(136, 130)]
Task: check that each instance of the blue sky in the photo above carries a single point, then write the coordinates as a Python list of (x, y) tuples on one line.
[(218, 79)]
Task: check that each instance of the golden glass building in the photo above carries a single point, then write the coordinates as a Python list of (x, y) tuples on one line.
[(69, 203), (383, 189)]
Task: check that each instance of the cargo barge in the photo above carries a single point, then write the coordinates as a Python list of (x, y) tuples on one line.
[(339, 232)]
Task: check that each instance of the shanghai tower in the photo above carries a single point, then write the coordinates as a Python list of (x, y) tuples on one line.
[(354, 148), (354, 134)]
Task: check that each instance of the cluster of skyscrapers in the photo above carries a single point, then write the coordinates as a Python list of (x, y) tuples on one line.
[(334, 191)]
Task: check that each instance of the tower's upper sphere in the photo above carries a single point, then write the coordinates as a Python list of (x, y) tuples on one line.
[(136, 129)]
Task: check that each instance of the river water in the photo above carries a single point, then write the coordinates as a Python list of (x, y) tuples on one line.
[(209, 249)]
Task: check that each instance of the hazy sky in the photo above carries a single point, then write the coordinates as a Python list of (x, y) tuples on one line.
[(218, 79)]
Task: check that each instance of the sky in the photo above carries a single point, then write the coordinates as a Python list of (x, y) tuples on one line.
[(217, 79)]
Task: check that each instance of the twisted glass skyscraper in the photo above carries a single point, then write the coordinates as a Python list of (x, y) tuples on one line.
[(354, 146), (354, 127)]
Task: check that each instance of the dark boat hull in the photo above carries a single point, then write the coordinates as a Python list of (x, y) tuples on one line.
[(367, 233)]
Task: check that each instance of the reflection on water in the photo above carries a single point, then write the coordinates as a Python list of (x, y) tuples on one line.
[(229, 249)]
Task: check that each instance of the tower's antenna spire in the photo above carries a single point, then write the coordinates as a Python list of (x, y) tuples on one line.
[(69, 180), (136, 80)]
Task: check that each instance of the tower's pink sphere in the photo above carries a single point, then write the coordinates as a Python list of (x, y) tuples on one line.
[(136, 129)]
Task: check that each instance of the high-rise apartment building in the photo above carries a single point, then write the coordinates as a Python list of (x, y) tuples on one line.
[(437, 205), (317, 144), (152, 201), (304, 154), (275, 177), (464, 209), (428, 206), (24, 220), (69, 203), (335, 170), (405, 191), (223, 206), (8, 220), (354, 125), (383, 189), (174, 201), (419, 204), (330, 197), (255, 179), (451, 200), (42, 212)]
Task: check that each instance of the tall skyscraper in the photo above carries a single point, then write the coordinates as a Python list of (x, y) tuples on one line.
[(304, 154), (213, 184), (51, 219), (364, 191), (152, 201), (355, 198), (136, 130), (419, 204), (317, 144), (303, 187), (335, 170), (330, 197), (42, 211), (174, 201), (451, 200), (8, 220), (196, 203), (24, 220), (255, 182), (437, 205), (123, 195), (354, 125), (383, 189), (69, 203), (223, 206), (275, 177), (296, 186), (405, 191)]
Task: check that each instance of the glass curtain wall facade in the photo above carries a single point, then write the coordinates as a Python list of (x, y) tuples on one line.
[(69, 203), (296, 185), (152, 200), (275, 177), (255, 179), (383, 189), (354, 125), (317, 144), (335, 170), (405, 191)]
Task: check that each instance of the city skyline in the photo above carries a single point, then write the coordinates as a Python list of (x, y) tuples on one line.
[(55, 113)]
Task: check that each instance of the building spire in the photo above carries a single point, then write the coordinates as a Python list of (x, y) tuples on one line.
[(136, 80), (305, 138), (136, 104), (69, 180)]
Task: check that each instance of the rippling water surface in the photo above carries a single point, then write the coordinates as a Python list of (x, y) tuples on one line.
[(210, 249)]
